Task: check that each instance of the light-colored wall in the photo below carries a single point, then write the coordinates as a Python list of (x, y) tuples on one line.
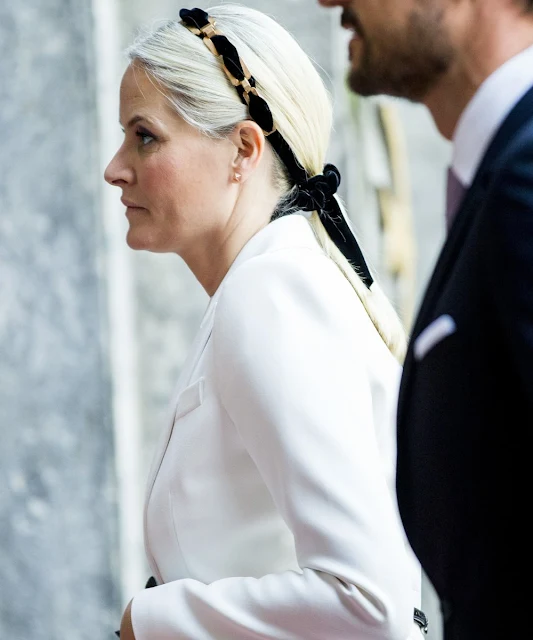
[(58, 522)]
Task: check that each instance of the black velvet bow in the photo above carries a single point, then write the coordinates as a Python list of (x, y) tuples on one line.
[(194, 17), (317, 193)]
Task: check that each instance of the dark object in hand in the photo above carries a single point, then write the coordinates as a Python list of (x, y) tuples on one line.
[(421, 620)]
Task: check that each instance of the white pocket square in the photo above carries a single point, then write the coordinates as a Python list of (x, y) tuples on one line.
[(189, 399), (434, 333)]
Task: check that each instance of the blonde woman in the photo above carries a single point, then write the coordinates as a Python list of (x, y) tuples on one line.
[(271, 511)]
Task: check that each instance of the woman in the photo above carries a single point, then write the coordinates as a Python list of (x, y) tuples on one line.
[(270, 509)]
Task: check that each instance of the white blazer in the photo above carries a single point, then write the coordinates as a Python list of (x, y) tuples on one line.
[(270, 511)]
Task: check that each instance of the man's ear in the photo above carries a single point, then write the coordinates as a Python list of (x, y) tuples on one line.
[(249, 141)]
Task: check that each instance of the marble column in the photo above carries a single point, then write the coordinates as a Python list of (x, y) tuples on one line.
[(58, 522)]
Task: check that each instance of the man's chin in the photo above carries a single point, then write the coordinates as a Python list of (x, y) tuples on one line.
[(366, 84), (360, 83)]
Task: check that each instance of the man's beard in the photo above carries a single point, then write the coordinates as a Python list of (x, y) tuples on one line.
[(406, 64)]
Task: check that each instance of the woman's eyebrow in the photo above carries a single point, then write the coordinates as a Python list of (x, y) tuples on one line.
[(137, 118)]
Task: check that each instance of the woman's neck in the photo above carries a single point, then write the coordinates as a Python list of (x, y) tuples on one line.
[(211, 259)]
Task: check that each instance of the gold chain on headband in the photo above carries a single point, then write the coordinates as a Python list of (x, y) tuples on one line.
[(206, 33)]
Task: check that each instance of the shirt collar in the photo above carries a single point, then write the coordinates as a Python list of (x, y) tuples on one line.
[(487, 110)]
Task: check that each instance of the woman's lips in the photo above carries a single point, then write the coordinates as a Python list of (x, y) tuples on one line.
[(130, 205)]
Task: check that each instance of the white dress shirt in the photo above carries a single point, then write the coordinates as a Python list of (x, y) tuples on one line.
[(490, 106), (271, 510)]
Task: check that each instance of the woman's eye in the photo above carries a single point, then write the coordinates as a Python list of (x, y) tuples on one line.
[(145, 137)]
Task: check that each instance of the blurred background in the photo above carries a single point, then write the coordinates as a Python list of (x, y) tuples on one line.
[(92, 335)]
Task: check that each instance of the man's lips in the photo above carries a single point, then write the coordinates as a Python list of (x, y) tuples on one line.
[(350, 22)]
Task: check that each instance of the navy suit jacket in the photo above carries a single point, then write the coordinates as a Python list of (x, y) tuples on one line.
[(465, 412)]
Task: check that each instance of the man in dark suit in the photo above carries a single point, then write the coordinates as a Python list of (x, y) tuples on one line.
[(466, 399)]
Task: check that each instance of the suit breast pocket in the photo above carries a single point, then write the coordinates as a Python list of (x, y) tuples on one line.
[(441, 328), (190, 399)]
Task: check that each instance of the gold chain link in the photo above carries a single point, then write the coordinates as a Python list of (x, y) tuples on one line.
[(207, 32)]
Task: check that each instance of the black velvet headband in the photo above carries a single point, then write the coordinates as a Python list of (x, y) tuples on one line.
[(314, 193)]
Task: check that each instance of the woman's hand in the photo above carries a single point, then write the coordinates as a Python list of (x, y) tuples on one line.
[(126, 628)]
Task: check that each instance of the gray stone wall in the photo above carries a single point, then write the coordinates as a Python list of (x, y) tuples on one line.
[(58, 565)]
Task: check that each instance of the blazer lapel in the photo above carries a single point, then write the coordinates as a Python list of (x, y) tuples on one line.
[(470, 207), (197, 348)]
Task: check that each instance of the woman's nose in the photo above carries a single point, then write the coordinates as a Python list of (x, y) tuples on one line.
[(118, 172)]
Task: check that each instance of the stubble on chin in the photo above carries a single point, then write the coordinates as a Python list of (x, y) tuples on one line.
[(408, 63)]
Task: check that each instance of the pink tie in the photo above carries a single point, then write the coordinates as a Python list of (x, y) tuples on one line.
[(455, 191)]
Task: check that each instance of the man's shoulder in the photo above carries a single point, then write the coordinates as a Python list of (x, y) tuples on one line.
[(518, 155), (510, 179)]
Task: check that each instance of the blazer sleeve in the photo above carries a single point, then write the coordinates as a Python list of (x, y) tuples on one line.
[(291, 374), (509, 257)]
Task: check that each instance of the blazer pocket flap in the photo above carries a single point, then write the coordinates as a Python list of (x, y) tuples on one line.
[(434, 333), (189, 399)]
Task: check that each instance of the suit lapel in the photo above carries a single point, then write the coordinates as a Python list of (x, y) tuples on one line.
[(471, 204), (470, 207)]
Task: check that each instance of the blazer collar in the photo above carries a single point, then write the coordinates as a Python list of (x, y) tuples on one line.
[(289, 232)]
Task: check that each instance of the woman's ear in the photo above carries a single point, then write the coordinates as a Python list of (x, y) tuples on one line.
[(249, 141)]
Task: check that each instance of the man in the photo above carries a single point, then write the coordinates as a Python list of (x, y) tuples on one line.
[(466, 399)]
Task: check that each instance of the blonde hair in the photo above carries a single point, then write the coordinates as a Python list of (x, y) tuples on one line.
[(201, 94)]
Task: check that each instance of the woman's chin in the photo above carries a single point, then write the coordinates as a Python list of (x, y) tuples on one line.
[(138, 241)]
